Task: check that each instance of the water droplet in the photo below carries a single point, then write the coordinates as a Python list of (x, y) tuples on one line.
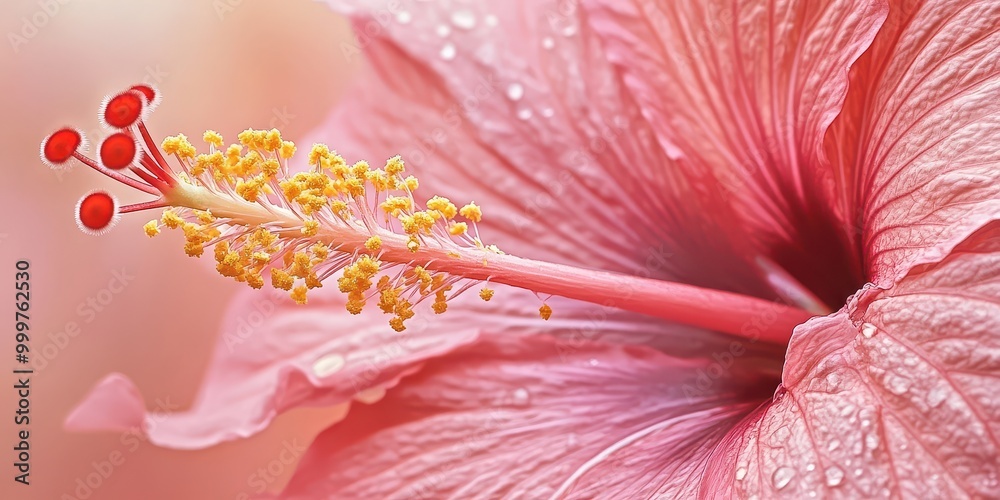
[(491, 20), (899, 385), (442, 30), (782, 477), (463, 19), (569, 30), (403, 17), (858, 471), (593, 362), (872, 440), (521, 396), (548, 112), (936, 396), (448, 52), (834, 475), (868, 330), (524, 113), (548, 43), (328, 365), (811, 467), (515, 91), (833, 445), (741, 473), (571, 440)]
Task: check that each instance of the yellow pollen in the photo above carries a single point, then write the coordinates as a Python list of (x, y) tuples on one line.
[(545, 312), (458, 228), (287, 150), (171, 219), (281, 280), (486, 294), (472, 212), (299, 294), (310, 228), (374, 243), (413, 245), (151, 228), (178, 145), (212, 137), (394, 166), (443, 205)]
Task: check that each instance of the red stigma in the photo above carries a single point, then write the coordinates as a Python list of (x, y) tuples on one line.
[(147, 91), (118, 151), (60, 146), (123, 109), (96, 212)]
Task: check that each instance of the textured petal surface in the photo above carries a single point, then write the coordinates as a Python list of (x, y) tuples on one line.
[(918, 147), (893, 396), (518, 108), (747, 89), (523, 418)]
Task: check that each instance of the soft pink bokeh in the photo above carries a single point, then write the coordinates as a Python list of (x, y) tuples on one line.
[(222, 65)]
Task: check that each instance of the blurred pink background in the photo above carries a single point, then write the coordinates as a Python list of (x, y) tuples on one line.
[(221, 64)]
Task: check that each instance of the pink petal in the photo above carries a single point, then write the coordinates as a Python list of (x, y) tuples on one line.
[(893, 396), (919, 143), (581, 180), (274, 355), (747, 90), (521, 418), (114, 404)]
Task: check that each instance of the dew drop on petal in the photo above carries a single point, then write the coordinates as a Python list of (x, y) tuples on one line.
[(442, 30), (936, 396), (491, 20), (520, 397), (403, 17), (448, 52), (328, 365), (524, 113), (548, 43), (594, 362), (548, 112), (782, 477), (463, 19), (868, 330), (741, 473), (515, 91)]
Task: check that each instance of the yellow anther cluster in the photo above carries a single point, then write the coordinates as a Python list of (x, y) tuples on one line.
[(296, 248), (244, 260), (444, 206), (212, 137), (178, 145), (472, 212), (151, 228), (196, 235)]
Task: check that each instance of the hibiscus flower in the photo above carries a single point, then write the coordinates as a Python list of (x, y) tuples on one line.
[(739, 166)]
